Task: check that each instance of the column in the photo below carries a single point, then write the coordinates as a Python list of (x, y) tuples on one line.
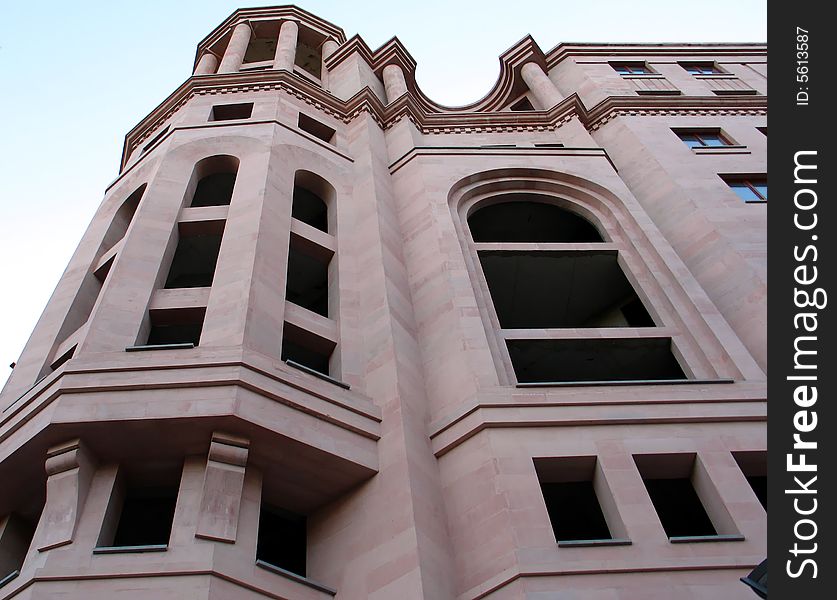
[(394, 82), (223, 487), (286, 46), (542, 87), (328, 48), (69, 470), (234, 54), (207, 65)]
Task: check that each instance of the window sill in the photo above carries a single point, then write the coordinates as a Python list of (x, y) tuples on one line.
[(735, 92), (659, 92), (537, 384), (643, 76), (590, 543), (317, 374), (721, 150), (130, 549), (714, 76), (694, 539), (295, 577), (9, 577), (146, 347)]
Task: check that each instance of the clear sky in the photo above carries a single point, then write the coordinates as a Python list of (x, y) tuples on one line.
[(77, 75)]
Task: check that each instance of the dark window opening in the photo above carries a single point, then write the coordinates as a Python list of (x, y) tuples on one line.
[(667, 477), (16, 535), (559, 289), (58, 362), (306, 349), (521, 220), (155, 139), (231, 112), (549, 145), (176, 326), (260, 49), (754, 466), (702, 138), (631, 68), (214, 190), (307, 281), (309, 208), (593, 360), (317, 129), (570, 497), (194, 259), (308, 58), (522, 105), (282, 539), (141, 507), (146, 517)]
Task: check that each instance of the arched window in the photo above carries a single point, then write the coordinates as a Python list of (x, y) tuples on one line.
[(557, 287), (310, 202), (91, 285), (213, 181), (311, 274)]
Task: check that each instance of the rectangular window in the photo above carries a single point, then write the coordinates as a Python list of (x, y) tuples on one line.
[(593, 360), (542, 290), (196, 255), (282, 539), (703, 138), (632, 68), (176, 326), (522, 105), (155, 139), (572, 488), (317, 129), (702, 68), (15, 537), (231, 112), (307, 277), (307, 349), (687, 503), (754, 466), (141, 509), (750, 189)]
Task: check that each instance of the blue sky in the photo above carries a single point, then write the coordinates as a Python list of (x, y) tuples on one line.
[(78, 75)]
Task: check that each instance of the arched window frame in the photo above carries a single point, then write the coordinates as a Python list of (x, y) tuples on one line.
[(303, 326), (657, 275)]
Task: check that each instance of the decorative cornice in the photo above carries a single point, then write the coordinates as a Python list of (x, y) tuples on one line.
[(565, 50), (430, 120), (615, 106)]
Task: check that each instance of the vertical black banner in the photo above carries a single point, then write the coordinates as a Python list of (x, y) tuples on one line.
[(802, 222)]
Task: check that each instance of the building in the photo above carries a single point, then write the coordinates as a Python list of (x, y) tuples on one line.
[(327, 338)]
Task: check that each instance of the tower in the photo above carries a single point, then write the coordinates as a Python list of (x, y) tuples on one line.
[(327, 338)]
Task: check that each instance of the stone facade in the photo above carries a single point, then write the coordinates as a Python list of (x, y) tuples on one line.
[(280, 365)]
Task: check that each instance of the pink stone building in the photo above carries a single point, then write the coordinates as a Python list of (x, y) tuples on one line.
[(325, 338)]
